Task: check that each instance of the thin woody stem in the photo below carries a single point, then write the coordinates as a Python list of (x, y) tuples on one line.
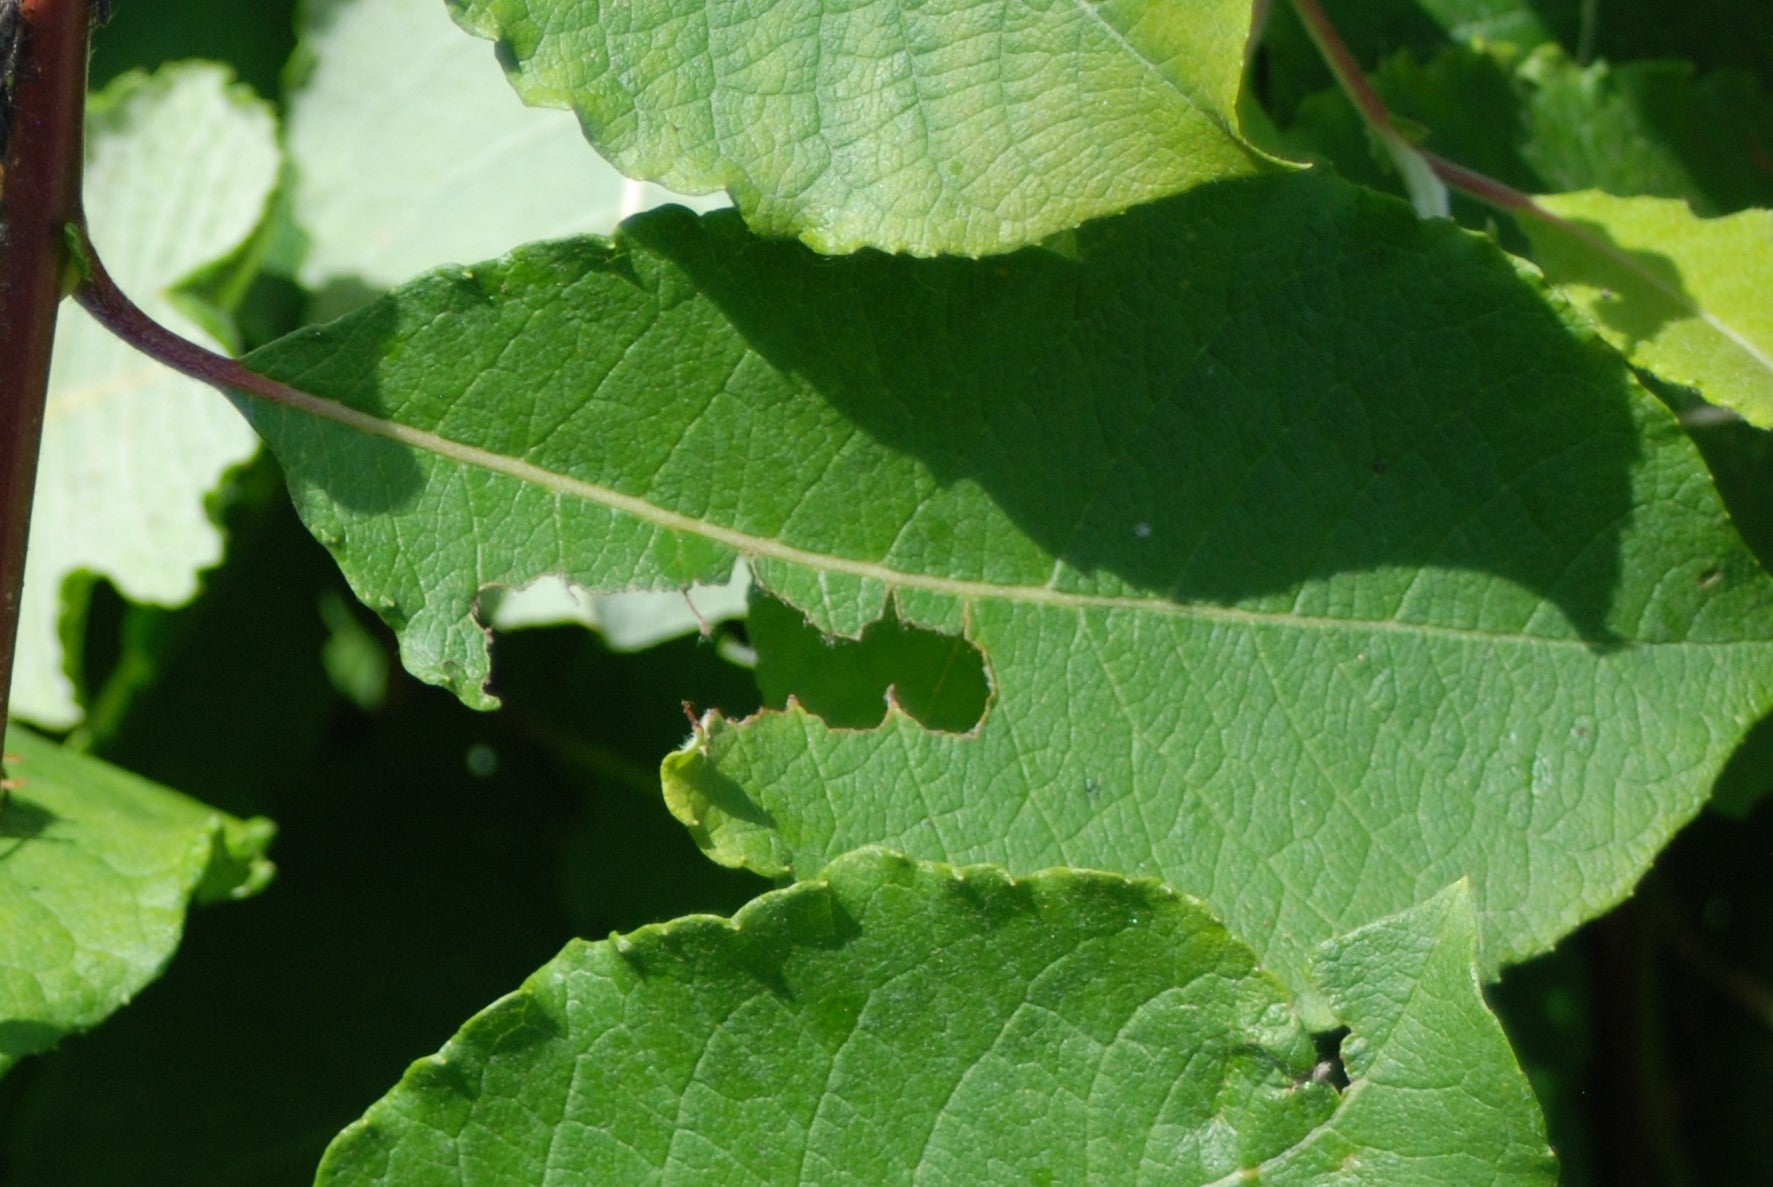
[(41, 196), (1428, 191), (1349, 75), (1486, 189)]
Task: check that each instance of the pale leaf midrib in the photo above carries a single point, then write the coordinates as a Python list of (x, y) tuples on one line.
[(750, 545)]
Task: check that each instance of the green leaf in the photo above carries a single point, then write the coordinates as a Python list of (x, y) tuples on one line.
[(179, 168), (967, 128), (455, 168), (1682, 296), (1646, 128), (1435, 1095), (96, 866), (452, 167), (898, 1022), (1316, 555)]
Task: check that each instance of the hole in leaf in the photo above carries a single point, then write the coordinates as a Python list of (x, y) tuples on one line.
[(938, 679), (1329, 1068)]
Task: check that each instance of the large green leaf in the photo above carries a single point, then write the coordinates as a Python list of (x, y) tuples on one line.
[(967, 127), (898, 1022), (1317, 557), (1683, 296), (453, 168), (96, 867), (179, 168)]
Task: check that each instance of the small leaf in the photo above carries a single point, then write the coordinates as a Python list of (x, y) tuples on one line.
[(898, 1022), (1682, 296), (96, 867), (965, 128), (179, 168)]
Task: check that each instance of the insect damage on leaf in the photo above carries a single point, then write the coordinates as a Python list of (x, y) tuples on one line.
[(939, 680)]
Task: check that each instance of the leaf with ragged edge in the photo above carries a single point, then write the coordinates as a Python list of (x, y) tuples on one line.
[(452, 168), (897, 1022), (179, 168), (1682, 296), (96, 868), (1435, 1095), (938, 679), (967, 128), (1317, 556)]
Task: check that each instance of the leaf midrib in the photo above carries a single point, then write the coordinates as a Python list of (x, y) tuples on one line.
[(747, 544)]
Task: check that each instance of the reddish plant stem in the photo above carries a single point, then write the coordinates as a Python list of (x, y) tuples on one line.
[(99, 295), (41, 197), (1349, 75), (1485, 189)]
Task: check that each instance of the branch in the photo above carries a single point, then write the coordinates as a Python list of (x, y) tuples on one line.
[(44, 150)]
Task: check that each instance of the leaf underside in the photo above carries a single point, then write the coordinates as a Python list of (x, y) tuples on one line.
[(965, 128), (179, 168)]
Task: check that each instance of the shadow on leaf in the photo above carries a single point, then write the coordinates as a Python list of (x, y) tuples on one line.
[(1220, 398)]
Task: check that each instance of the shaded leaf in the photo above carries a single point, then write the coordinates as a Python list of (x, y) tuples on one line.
[(96, 868), (964, 128), (179, 168), (1316, 556), (894, 1022), (1682, 296), (1376, 29), (1544, 124)]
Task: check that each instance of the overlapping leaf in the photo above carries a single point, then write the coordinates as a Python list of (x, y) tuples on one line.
[(964, 128), (179, 168), (898, 1022), (1316, 558), (96, 868), (1682, 296)]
